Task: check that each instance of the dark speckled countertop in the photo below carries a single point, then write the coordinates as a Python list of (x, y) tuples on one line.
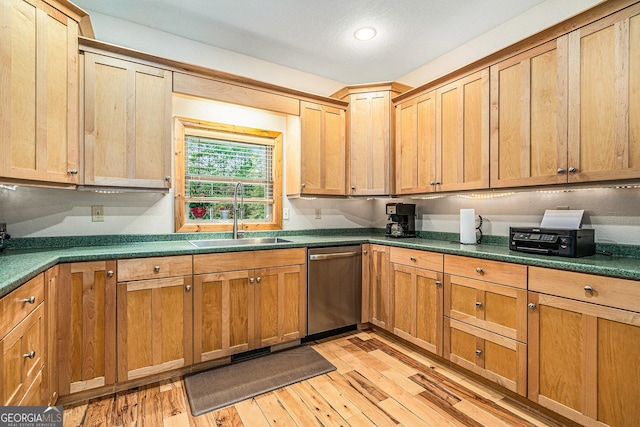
[(25, 260)]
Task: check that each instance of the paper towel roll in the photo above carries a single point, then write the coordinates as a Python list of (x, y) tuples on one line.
[(467, 226)]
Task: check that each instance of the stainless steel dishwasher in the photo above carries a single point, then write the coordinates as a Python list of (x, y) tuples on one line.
[(335, 288)]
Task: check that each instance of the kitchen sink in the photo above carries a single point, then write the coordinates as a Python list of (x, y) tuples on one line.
[(237, 242)]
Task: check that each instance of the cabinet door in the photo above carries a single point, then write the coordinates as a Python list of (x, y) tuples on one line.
[(369, 143), (39, 103), (529, 117), (281, 308), (127, 124), (462, 133), (86, 326), (415, 145), (22, 356), (154, 326), (417, 300), (323, 151), (380, 291), (604, 98), (223, 309), (584, 360), (50, 379), (499, 309)]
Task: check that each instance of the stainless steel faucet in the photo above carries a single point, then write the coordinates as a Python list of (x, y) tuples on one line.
[(237, 210)]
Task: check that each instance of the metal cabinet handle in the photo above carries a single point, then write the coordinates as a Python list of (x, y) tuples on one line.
[(353, 187), (29, 355), (258, 279), (478, 304), (73, 171), (437, 182), (560, 170), (188, 288), (167, 178), (479, 270), (531, 305), (110, 273), (588, 289), (432, 183), (303, 185), (478, 352), (573, 170), (438, 283), (29, 300), (365, 252), (156, 268), (251, 280), (412, 258)]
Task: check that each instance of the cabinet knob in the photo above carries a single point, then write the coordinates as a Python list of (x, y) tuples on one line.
[(478, 304), (258, 279), (251, 280), (560, 170), (573, 170), (303, 185), (438, 283), (353, 187), (437, 182), (73, 171), (110, 273), (479, 270), (29, 355), (167, 178), (188, 288), (531, 305), (412, 258), (29, 300), (478, 352), (365, 252), (432, 183), (156, 268), (588, 289)]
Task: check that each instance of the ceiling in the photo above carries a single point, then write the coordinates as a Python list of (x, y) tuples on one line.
[(317, 36)]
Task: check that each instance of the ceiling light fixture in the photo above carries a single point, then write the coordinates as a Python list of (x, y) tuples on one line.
[(365, 33)]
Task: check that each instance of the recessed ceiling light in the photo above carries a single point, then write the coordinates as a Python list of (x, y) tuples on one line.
[(364, 34)]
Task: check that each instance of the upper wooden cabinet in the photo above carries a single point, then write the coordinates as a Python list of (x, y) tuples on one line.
[(442, 138), (39, 86), (127, 123), (317, 163), (529, 117), (604, 98)]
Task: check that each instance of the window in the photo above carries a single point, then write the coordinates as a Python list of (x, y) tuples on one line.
[(211, 158)]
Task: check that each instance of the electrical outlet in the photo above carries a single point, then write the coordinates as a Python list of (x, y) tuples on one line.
[(285, 213), (318, 213), (97, 213)]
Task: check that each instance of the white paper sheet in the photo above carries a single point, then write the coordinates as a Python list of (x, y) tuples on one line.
[(565, 219)]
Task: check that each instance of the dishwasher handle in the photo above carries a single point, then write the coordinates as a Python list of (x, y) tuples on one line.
[(322, 257)]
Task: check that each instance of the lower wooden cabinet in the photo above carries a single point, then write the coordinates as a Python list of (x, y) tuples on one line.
[(417, 305), (50, 374), (584, 359), (86, 326), (379, 286)]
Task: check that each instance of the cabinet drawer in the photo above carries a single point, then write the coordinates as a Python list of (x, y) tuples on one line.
[(19, 303), (609, 291), (235, 261), (489, 355), (154, 268), (416, 258), (497, 308), (503, 273)]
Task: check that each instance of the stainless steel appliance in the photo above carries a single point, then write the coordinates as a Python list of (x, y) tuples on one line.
[(402, 217), (553, 241), (4, 236), (335, 288)]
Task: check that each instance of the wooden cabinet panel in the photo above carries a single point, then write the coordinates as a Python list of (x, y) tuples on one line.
[(419, 259), (231, 261), (50, 374), (417, 306), (86, 326), (19, 303), (609, 291), (154, 268), (39, 124), (369, 143), (462, 133), (415, 145), (380, 289), (503, 273), (127, 135), (223, 314), (154, 326), (490, 355), (583, 360), (22, 356), (323, 149), (280, 304), (529, 117), (604, 105)]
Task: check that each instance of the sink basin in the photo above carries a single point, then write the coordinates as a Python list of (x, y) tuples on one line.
[(237, 242)]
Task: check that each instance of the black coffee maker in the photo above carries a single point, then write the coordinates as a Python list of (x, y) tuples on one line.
[(402, 217)]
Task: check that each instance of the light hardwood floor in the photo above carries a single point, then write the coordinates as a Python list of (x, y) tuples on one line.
[(378, 382)]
